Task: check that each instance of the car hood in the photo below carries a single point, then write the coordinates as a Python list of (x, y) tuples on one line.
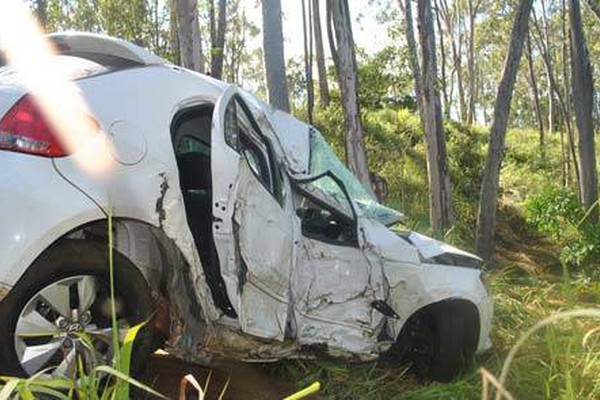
[(433, 251)]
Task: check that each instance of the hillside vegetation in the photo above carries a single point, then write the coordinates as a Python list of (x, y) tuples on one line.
[(546, 264)]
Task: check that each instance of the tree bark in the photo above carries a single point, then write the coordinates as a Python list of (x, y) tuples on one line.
[(583, 86), (486, 221), (440, 189), (273, 52), (190, 45), (308, 58), (218, 39), (445, 97), (472, 9), (345, 63), (321, 70), (413, 52)]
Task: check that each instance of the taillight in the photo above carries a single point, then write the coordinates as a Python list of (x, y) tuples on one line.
[(24, 129)]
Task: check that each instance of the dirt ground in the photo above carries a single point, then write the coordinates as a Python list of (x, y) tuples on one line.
[(247, 381)]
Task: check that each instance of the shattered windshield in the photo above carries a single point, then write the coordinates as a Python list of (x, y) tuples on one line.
[(322, 159)]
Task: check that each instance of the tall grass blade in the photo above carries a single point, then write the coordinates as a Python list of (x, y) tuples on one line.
[(119, 375), (189, 379), (9, 388)]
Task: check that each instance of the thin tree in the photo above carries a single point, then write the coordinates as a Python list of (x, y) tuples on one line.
[(273, 52), (488, 201), (320, 55), (440, 189), (406, 7), (308, 58), (473, 9), (583, 86), (447, 99), (190, 43), (564, 105), (217, 37), (339, 29), (535, 93)]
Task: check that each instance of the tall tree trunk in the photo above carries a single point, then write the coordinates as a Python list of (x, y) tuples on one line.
[(583, 85), (322, 71), (218, 39), (472, 9), (175, 56), (338, 19), (486, 221), (413, 52), (190, 45), (273, 52), (554, 86), (308, 58), (546, 39), (440, 189), (445, 97), (455, 36), (535, 93)]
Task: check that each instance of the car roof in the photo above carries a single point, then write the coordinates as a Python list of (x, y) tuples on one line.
[(103, 49)]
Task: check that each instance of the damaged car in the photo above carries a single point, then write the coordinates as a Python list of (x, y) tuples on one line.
[(236, 232)]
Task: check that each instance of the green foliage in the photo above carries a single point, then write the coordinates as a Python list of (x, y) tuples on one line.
[(385, 79), (554, 210), (558, 212)]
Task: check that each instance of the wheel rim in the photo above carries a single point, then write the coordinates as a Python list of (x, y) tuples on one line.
[(65, 323)]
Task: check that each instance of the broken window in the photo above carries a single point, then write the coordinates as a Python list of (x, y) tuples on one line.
[(243, 134), (325, 211), (322, 159)]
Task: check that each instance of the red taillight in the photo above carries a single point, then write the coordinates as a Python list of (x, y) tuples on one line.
[(24, 129)]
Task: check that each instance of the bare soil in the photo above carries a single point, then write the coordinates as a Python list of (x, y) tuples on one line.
[(246, 381)]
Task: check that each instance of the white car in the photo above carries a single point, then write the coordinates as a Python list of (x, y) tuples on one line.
[(235, 227)]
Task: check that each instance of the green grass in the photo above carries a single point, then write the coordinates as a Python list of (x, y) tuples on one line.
[(552, 364)]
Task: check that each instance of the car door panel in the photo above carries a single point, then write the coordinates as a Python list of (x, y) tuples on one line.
[(331, 282), (264, 236), (252, 231)]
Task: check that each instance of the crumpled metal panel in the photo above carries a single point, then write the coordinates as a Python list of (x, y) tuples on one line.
[(265, 242), (429, 247), (332, 295)]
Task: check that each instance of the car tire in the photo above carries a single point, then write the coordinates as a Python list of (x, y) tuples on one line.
[(79, 270), (450, 350), (435, 343)]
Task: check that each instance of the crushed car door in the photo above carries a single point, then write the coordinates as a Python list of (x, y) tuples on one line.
[(252, 226), (331, 285)]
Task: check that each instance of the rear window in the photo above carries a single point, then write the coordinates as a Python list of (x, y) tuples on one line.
[(75, 68)]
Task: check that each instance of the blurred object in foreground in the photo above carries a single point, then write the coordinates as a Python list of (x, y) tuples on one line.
[(58, 98)]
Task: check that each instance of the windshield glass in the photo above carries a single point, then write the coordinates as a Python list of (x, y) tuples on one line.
[(322, 159)]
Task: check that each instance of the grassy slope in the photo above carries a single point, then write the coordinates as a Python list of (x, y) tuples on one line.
[(528, 286)]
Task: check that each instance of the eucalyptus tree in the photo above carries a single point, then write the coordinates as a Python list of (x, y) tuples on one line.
[(488, 201), (341, 41), (190, 43), (583, 87), (440, 188), (273, 53)]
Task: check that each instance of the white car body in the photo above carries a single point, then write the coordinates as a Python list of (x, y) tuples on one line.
[(288, 291)]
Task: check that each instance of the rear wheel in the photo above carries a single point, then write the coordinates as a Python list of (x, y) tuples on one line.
[(59, 313)]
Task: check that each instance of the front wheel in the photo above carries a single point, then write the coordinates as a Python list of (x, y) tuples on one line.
[(58, 316), (439, 342)]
